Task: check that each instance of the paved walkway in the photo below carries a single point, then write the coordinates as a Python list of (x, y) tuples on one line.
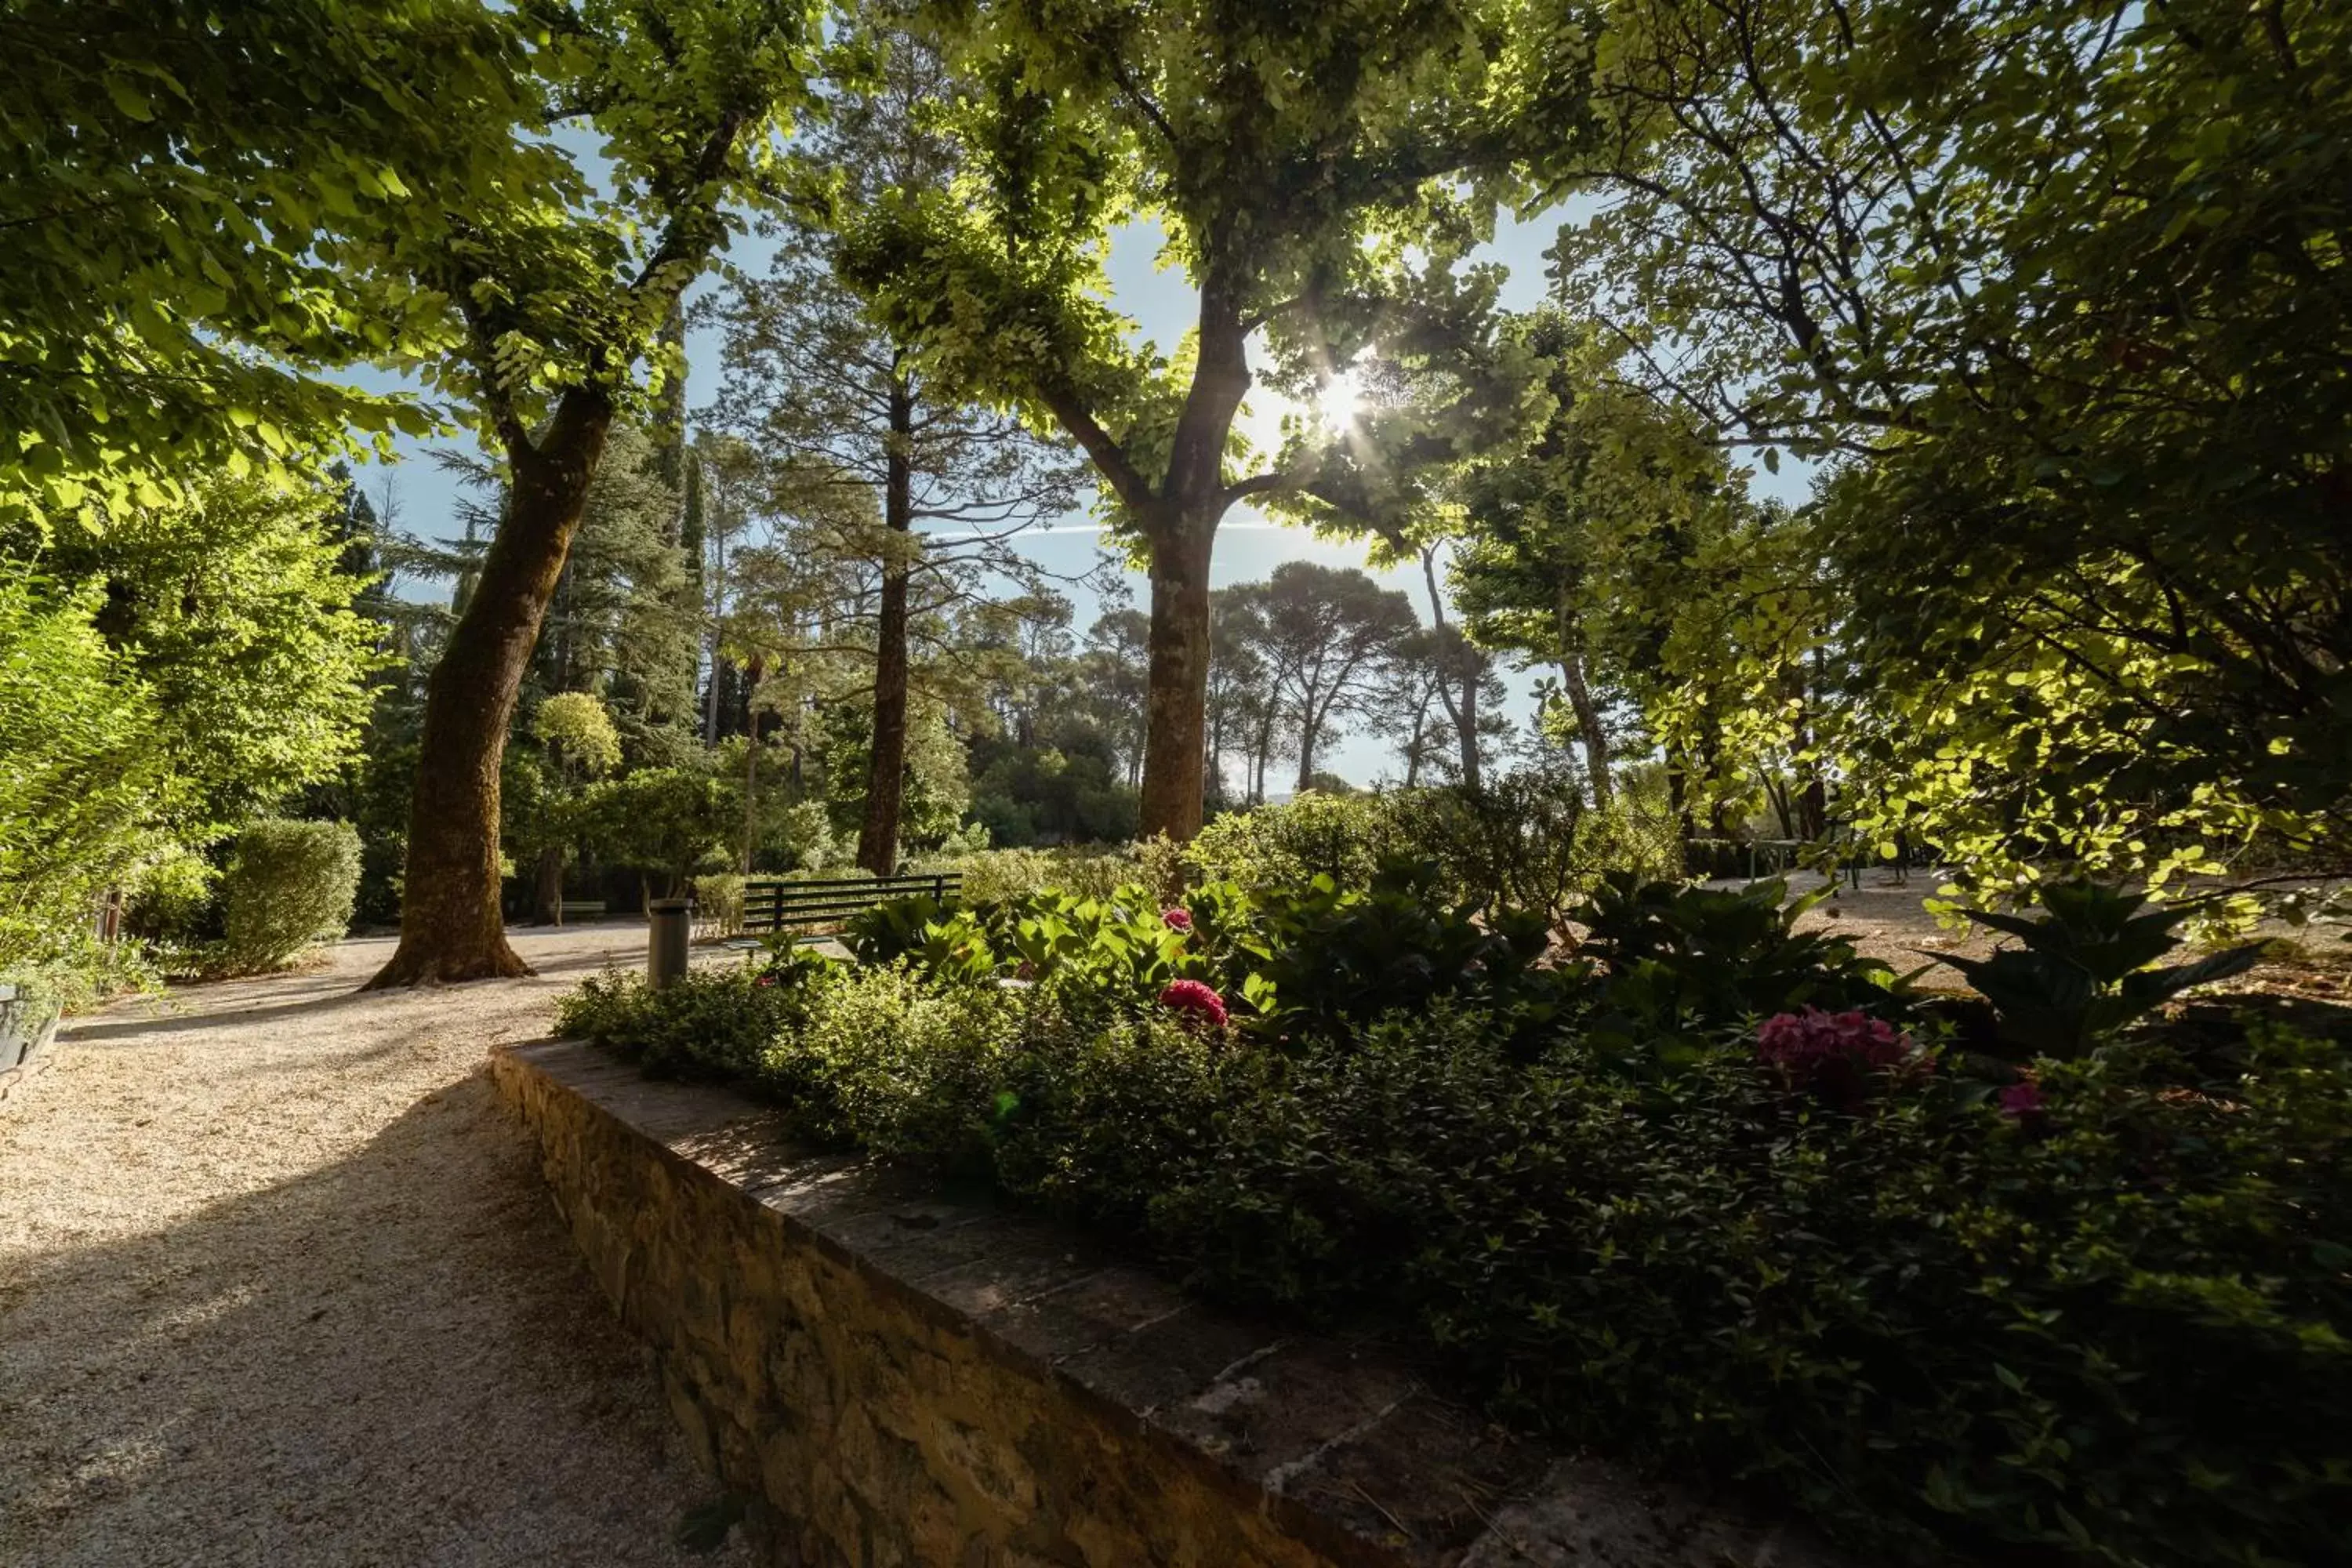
[(280, 1285)]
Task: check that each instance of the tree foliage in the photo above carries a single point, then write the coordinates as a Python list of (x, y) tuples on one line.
[(2062, 289), (179, 184), (1292, 155)]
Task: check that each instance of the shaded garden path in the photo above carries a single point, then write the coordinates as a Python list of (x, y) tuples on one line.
[(279, 1284)]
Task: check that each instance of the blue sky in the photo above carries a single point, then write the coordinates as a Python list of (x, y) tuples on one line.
[(1162, 305)]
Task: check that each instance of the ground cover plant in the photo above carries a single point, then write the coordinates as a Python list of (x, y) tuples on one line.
[(1708, 1191)]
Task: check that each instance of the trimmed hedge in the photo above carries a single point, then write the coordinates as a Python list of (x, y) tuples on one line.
[(289, 885)]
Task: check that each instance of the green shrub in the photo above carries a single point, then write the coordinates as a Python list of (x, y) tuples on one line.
[(992, 876), (83, 786), (2120, 1330), (1681, 958), (711, 1023), (1346, 838), (1322, 961), (719, 902), (1527, 840), (288, 884), (2084, 970), (173, 897)]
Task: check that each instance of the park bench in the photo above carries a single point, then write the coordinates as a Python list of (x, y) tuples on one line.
[(575, 907), (777, 908)]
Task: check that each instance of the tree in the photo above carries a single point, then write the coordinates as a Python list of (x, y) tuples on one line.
[(560, 295), (1408, 704), (1328, 631), (817, 384), (621, 622), (162, 682), (1241, 704), (1443, 701), (235, 613), (80, 789), (578, 744), (2065, 287), (1292, 154), (1114, 673), (1578, 544)]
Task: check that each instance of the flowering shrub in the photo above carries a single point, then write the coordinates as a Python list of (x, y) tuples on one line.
[(1833, 1055), (1196, 1001)]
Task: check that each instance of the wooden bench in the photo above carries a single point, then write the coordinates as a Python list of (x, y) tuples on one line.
[(574, 908), (774, 908)]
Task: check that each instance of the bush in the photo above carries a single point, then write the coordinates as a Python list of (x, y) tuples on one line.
[(2122, 1331), (1525, 840), (1682, 958), (288, 884), (992, 876), (82, 784), (719, 902), (711, 1023), (1346, 838)]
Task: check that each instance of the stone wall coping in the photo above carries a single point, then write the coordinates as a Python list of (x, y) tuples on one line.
[(1344, 1445)]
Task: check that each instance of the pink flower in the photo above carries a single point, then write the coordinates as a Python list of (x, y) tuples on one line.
[(765, 980), (1198, 1002), (1835, 1055), (2021, 1099), (1177, 919)]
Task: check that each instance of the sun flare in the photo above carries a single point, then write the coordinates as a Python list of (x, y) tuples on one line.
[(1340, 400)]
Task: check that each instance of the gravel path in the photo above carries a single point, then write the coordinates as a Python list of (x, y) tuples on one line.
[(280, 1285)]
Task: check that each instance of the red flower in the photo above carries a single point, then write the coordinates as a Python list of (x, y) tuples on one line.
[(1177, 919), (1198, 1002), (1833, 1055), (765, 980), (2021, 1099)]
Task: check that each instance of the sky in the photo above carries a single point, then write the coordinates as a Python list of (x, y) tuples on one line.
[(1162, 306)]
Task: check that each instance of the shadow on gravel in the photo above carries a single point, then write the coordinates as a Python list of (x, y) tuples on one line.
[(397, 1359)]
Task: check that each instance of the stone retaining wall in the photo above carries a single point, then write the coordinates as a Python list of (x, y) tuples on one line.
[(890, 1377)]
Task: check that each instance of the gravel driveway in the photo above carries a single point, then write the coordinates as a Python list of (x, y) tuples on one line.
[(280, 1285)]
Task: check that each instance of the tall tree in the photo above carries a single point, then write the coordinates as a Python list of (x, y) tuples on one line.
[(818, 383), (560, 294), (1408, 711), (162, 681), (1240, 706), (1291, 155), (1328, 633), (1576, 543)]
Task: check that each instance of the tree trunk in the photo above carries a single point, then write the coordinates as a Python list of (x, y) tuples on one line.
[(1678, 795), (1176, 707), (754, 670), (1587, 724), (886, 772), (1465, 722), (1463, 714), (450, 924), (547, 902), (1183, 530)]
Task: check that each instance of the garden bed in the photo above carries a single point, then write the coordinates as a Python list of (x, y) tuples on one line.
[(1712, 1197)]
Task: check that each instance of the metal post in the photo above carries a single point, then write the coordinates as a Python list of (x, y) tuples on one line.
[(672, 921)]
